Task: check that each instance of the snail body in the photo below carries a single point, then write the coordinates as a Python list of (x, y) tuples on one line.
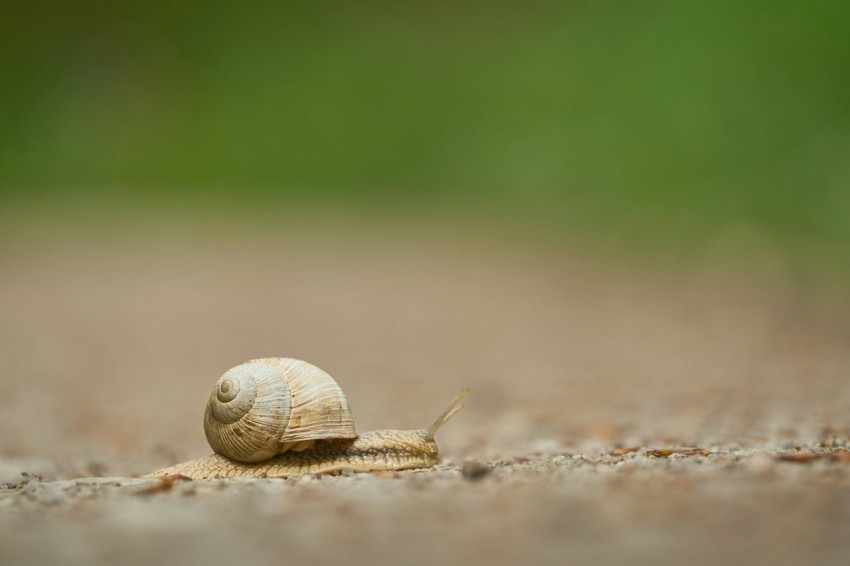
[(280, 417)]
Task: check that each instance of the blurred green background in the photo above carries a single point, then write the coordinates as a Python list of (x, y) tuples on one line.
[(656, 124)]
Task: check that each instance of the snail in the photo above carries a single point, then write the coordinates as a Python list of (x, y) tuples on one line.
[(280, 417)]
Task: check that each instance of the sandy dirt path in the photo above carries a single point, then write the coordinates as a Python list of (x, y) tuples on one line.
[(590, 381)]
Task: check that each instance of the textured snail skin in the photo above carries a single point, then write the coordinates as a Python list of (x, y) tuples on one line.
[(371, 451)]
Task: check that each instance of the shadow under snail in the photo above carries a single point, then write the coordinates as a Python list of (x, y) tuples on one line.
[(280, 417)]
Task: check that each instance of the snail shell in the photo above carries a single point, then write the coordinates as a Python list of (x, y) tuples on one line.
[(270, 405)]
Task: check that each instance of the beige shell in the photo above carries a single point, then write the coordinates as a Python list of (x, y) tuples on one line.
[(270, 405)]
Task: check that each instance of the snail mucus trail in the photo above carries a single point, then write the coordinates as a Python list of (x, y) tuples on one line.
[(280, 417)]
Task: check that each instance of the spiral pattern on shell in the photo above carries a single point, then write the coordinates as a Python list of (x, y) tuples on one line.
[(263, 407)]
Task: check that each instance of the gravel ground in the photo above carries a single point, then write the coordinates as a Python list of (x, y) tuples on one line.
[(697, 413)]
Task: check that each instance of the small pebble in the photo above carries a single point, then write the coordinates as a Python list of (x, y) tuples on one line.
[(475, 471), (30, 478), (801, 456)]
